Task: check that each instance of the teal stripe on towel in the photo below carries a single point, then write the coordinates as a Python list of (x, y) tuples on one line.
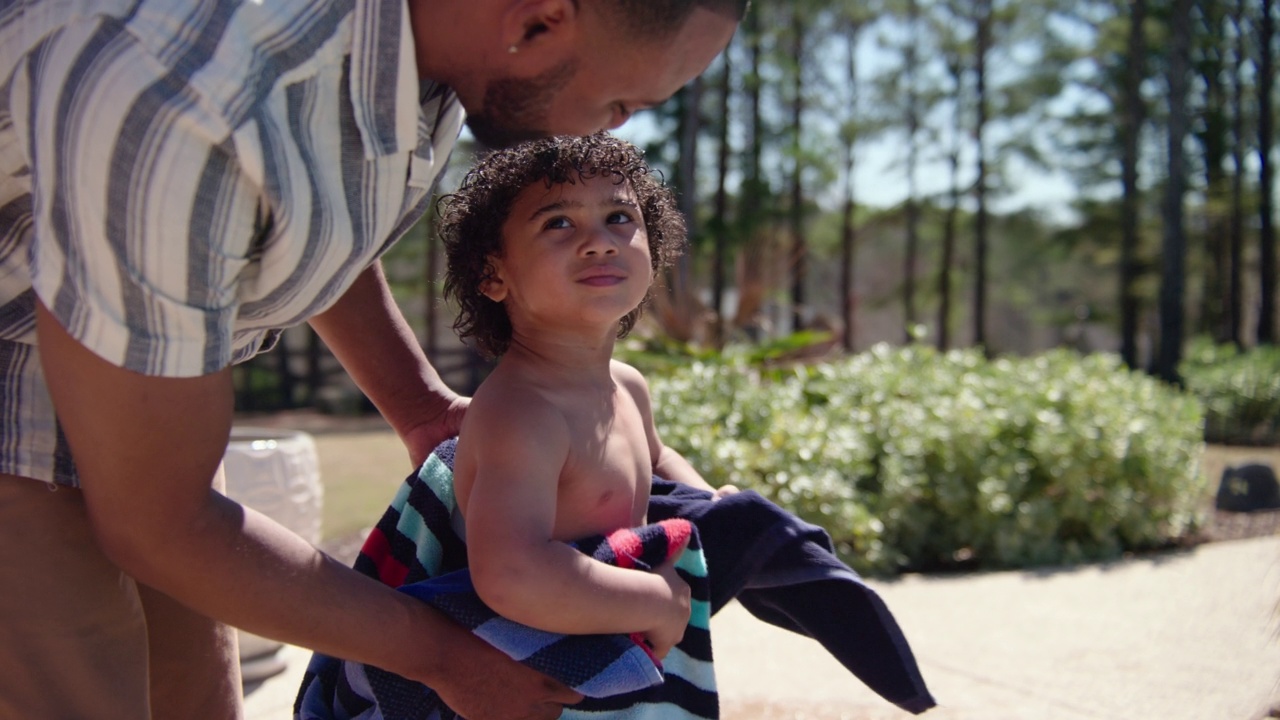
[(695, 563), (439, 478), (643, 711), (701, 674), (426, 545)]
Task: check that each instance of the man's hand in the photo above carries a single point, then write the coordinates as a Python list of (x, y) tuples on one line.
[(481, 683), (422, 438)]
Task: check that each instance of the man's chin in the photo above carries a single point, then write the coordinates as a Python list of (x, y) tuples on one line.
[(494, 137)]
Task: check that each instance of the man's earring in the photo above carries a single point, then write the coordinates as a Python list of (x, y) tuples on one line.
[(513, 50)]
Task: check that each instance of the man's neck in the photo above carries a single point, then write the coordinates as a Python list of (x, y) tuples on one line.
[(454, 39)]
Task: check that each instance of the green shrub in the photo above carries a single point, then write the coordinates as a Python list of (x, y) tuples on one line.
[(1240, 391), (915, 460), (662, 354)]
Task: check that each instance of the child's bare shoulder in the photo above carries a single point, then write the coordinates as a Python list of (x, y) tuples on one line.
[(624, 373), (629, 378), (510, 413)]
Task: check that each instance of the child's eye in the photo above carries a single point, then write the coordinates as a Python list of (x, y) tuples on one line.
[(619, 218), (557, 222)]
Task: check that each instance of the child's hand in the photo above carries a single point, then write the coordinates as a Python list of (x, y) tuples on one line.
[(724, 490), (664, 637)]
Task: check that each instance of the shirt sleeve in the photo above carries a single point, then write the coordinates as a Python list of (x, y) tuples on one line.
[(143, 218)]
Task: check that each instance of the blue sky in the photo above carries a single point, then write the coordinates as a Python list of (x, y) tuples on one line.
[(880, 181)]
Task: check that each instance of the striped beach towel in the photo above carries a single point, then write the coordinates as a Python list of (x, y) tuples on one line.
[(417, 548)]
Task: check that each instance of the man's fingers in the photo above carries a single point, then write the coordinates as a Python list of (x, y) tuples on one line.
[(549, 711), (562, 694)]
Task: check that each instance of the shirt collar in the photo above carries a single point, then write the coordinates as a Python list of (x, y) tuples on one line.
[(384, 77)]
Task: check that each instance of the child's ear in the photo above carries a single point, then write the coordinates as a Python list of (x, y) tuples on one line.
[(493, 286)]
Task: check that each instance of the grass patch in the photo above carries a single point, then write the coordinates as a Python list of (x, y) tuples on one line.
[(361, 472)]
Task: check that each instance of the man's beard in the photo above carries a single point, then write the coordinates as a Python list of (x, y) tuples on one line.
[(516, 109)]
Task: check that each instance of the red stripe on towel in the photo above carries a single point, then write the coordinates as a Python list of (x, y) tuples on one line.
[(390, 571), (626, 546), (678, 531)]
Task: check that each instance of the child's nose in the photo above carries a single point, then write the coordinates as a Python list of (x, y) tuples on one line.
[(600, 242)]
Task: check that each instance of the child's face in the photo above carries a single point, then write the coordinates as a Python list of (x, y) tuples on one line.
[(575, 256)]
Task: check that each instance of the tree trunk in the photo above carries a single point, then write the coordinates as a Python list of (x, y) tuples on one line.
[(753, 192), (953, 211), (1213, 130), (1173, 257), (751, 207), (983, 44), (1130, 134), (720, 220), (799, 245), (848, 238), (848, 256), (1266, 236), (1235, 293), (911, 72), (679, 314)]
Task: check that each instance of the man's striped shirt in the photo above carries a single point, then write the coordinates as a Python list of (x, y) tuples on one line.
[(180, 177)]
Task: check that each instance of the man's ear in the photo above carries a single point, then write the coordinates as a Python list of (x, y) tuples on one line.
[(493, 286), (533, 24)]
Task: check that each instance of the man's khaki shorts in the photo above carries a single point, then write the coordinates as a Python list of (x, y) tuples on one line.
[(80, 639)]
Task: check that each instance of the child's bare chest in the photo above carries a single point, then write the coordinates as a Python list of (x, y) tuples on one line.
[(605, 481)]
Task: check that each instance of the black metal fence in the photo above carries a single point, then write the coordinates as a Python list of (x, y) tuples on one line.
[(301, 373)]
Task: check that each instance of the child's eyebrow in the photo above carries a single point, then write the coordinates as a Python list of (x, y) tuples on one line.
[(558, 205)]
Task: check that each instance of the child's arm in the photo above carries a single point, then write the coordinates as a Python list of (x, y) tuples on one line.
[(668, 464), (516, 566)]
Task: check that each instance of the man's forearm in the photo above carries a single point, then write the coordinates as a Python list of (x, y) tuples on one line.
[(234, 564), (147, 449)]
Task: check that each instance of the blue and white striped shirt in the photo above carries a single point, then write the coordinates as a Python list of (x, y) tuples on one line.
[(180, 177)]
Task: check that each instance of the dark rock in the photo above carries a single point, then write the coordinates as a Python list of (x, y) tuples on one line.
[(1248, 488)]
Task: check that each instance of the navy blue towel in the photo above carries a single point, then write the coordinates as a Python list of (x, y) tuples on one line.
[(785, 572)]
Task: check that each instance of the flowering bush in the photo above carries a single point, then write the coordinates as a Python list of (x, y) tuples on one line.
[(918, 460)]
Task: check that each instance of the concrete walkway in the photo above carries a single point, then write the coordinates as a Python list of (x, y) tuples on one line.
[(1179, 636)]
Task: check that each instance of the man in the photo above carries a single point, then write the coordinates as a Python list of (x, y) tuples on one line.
[(178, 179)]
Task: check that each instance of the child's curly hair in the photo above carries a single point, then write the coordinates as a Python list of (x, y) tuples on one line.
[(471, 220)]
